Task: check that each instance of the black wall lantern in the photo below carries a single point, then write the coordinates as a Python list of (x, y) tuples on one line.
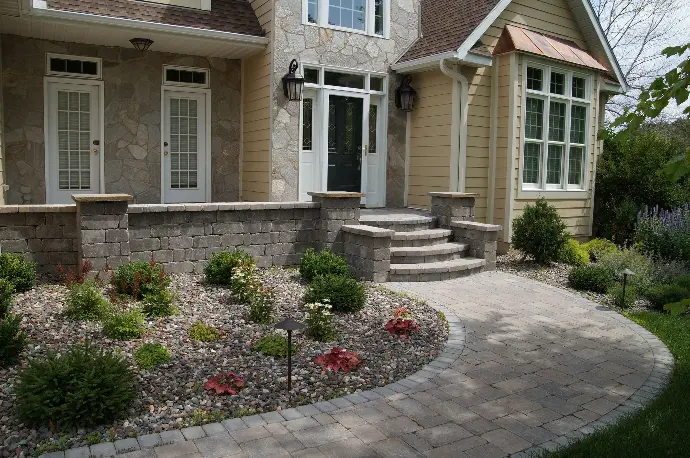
[(293, 82), (142, 44), (405, 96)]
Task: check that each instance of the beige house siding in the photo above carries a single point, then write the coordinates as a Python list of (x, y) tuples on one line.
[(256, 113), (503, 125), (429, 168)]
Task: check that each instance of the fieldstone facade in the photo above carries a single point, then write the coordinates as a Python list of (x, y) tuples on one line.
[(315, 45), (132, 118)]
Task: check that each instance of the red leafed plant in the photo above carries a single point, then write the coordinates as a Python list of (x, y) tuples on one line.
[(225, 383), (402, 312), (402, 327), (338, 359), (70, 277)]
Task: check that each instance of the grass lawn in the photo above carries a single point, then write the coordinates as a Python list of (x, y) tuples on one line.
[(663, 428)]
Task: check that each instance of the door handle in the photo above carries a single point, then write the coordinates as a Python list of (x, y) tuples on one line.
[(366, 149), (165, 153), (95, 152)]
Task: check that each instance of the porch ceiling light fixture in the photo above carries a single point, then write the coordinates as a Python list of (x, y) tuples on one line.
[(405, 95), (293, 82), (142, 44)]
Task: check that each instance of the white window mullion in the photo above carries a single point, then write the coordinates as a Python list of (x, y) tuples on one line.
[(566, 152), (322, 20), (545, 142)]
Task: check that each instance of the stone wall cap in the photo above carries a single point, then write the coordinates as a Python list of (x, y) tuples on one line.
[(69, 208), (476, 226), (453, 195), (337, 194), (370, 231), (102, 197)]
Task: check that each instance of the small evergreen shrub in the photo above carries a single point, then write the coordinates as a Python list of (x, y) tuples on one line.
[(261, 307), (274, 345), (319, 321), (84, 387), (574, 254), (540, 232), (323, 263), (598, 248), (150, 355), (126, 325), (203, 332), (683, 280), (616, 294), (159, 304), (346, 295), (592, 277), (18, 271), (12, 340), (219, 269), (86, 302), (660, 295), (140, 278), (6, 290)]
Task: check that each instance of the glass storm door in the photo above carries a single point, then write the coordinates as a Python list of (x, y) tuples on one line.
[(73, 148), (184, 147), (346, 140)]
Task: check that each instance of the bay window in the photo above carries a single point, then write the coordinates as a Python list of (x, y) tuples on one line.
[(366, 16), (556, 111)]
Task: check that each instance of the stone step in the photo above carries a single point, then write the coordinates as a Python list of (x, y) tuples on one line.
[(400, 221), (436, 271), (428, 254), (424, 237)]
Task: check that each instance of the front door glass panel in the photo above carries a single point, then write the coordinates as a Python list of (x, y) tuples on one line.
[(345, 143), (74, 137)]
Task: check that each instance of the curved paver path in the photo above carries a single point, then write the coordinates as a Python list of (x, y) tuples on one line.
[(527, 366)]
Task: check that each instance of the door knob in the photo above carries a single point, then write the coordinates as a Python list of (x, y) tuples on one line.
[(95, 152), (165, 153)]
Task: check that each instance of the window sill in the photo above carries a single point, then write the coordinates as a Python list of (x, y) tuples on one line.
[(551, 194), (345, 29)]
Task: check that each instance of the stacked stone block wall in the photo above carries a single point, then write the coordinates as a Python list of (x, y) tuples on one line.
[(452, 206), (481, 238), (336, 210), (368, 250), (45, 234)]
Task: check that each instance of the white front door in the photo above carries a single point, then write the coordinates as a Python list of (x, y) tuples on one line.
[(184, 147), (73, 140)]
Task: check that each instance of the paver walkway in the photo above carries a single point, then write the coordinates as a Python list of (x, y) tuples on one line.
[(528, 366)]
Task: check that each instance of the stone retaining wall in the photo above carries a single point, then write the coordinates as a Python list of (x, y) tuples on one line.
[(368, 250)]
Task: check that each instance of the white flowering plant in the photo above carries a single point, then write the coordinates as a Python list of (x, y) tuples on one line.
[(320, 321)]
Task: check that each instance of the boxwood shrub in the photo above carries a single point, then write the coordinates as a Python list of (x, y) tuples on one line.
[(540, 232), (86, 302), (592, 277), (218, 270), (325, 262), (660, 295), (18, 271), (345, 294), (12, 340), (574, 254)]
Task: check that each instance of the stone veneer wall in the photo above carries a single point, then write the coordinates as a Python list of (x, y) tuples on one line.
[(311, 44), (132, 118), (45, 234)]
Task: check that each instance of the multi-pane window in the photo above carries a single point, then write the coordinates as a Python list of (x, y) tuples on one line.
[(183, 143), (555, 132), (308, 124), (368, 16), (74, 135)]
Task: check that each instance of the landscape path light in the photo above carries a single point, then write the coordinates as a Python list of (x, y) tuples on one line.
[(290, 325)]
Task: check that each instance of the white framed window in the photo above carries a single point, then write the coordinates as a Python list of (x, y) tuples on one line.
[(556, 110), (318, 77), (174, 75), (370, 17), (73, 66)]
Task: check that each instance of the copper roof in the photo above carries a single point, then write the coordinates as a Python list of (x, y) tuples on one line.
[(446, 24), (234, 16), (523, 40)]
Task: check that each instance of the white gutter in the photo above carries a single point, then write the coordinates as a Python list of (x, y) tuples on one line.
[(39, 8), (458, 129)]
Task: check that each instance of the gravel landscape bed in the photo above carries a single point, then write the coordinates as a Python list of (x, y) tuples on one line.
[(172, 396)]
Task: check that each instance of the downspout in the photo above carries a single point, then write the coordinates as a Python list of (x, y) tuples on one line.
[(458, 129)]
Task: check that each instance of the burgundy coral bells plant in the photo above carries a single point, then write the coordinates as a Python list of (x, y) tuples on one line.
[(402, 327), (225, 383), (402, 312), (338, 359)]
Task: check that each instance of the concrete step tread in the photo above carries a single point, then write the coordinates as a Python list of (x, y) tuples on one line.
[(442, 248), (438, 267), (423, 234)]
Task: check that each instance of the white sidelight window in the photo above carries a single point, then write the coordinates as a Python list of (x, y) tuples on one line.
[(556, 128), (365, 16)]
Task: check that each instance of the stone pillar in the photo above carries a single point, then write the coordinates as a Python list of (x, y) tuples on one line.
[(102, 230), (337, 209), (452, 206), (482, 239), (368, 251)]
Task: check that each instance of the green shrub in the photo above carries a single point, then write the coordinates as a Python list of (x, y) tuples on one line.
[(244, 282), (574, 254), (540, 232), (84, 387), (6, 290), (126, 325), (218, 270), (203, 332), (683, 280), (159, 303), (18, 271), (346, 295), (592, 277), (642, 266), (616, 294), (678, 308), (323, 263), (660, 295), (261, 307), (140, 278), (150, 355), (319, 322), (274, 345), (598, 248), (12, 340), (86, 302)]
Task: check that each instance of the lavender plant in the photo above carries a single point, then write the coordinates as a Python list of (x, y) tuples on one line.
[(665, 234)]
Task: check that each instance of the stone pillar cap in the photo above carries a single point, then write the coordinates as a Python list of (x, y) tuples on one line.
[(453, 195), (337, 194), (102, 197)]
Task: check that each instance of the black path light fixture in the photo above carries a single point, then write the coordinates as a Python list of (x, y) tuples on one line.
[(293, 82), (405, 95), (290, 325), (142, 44), (626, 273)]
